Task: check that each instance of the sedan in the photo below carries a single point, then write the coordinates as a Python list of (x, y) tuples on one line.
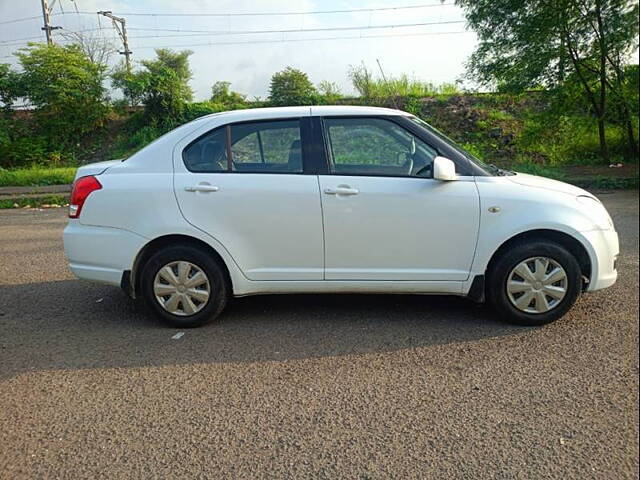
[(331, 200)]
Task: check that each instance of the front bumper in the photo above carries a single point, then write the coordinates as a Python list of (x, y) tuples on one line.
[(100, 254), (604, 256)]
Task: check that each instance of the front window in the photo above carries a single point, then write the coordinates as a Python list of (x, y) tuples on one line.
[(472, 158), (375, 146)]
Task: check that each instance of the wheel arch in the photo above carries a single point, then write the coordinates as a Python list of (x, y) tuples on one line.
[(569, 242), (173, 239)]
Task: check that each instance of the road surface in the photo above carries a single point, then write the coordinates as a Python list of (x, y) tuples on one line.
[(320, 386)]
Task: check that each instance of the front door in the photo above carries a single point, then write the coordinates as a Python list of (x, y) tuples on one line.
[(384, 218), (258, 203)]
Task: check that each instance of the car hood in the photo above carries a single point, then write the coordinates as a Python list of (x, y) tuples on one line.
[(96, 168), (548, 184)]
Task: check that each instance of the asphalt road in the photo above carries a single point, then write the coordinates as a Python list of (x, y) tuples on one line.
[(309, 386)]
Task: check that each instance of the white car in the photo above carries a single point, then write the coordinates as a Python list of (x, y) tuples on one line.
[(327, 200)]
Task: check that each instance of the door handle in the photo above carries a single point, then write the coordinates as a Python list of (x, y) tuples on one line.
[(201, 188), (341, 191)]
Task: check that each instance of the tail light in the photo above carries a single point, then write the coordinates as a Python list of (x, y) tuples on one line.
[(82, 188)]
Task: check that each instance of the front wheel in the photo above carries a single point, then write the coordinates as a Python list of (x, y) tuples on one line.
[(184, 286), (534, 283)]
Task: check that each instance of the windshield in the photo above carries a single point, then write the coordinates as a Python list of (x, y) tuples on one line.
[(492, 169)]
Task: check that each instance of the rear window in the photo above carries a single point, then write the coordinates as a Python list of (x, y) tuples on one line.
[(208, 154), (256, 147)]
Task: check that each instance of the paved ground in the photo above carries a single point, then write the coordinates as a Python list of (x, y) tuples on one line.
[(309, 386)]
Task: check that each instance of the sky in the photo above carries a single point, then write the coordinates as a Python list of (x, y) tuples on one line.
[(435, 52)]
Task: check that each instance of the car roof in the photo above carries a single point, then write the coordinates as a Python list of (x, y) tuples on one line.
[(338, 110), (285, 112)]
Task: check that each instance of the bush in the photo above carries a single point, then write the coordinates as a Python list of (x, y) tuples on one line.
[(291, 87), (328, 93)]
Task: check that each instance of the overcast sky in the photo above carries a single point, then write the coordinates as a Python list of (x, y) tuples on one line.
[(437, 54)]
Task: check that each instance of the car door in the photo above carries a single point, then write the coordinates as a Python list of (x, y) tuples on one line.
[(244, 184), (384, 218)]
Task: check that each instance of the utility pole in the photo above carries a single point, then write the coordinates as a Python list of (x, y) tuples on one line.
[(119, 25), (46, 15), (395, 104)]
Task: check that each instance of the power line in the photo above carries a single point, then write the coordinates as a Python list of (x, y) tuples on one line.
[(17, 20), (276, 14), (351, 37), (240, 14), (200, 33), (18, 40)]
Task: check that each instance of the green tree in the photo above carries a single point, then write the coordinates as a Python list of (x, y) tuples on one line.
[(162, 86), (132, 85), (65, 87), (10, 86), (222, 93), (542, 42), (291, 87)]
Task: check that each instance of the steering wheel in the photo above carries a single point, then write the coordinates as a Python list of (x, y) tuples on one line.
[(408, 164)]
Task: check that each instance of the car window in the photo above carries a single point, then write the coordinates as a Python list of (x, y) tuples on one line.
[(270, 147), (208, 154), (375, 146)]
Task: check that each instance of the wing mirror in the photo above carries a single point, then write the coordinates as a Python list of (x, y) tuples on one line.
[(444, 169)]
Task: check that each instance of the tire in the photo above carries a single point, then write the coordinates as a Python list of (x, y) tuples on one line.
[(191, 309), (505, 282)]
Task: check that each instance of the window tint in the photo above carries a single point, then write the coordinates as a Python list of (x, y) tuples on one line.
[(374, 146), (266, 147), (207, 154), (247, 149)]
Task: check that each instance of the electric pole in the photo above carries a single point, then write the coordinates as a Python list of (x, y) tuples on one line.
[(46, 14), (395, 104), (119, 25)]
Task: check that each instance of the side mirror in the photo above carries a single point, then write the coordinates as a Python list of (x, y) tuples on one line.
[(444, 169)]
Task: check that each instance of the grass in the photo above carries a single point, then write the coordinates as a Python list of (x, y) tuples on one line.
[(370, 87), (541, 171), (36, 176), (598, 182), (34, 202)]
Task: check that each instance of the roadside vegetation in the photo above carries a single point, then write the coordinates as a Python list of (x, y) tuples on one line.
[(36, 176), (561, 96)]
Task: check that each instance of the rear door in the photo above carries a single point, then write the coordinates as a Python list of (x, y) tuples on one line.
[(385, 218), (245, 185)]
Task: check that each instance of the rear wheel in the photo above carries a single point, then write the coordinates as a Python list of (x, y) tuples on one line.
[(184, 286), (534, 283)]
